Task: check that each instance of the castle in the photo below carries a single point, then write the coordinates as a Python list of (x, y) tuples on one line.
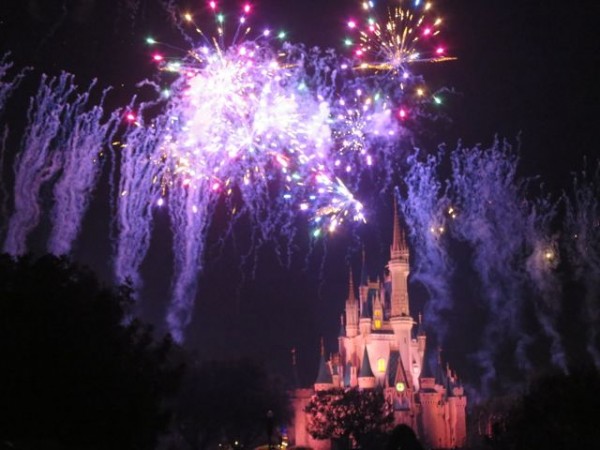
[(379, 347)]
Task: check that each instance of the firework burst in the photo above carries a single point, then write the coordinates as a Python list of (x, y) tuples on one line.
[(408, 35)]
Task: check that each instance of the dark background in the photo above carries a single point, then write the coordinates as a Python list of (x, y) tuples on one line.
[(525, 68)]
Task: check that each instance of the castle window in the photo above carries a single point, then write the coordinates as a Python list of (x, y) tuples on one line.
[(381, 365), (400, 386), (377, 322)]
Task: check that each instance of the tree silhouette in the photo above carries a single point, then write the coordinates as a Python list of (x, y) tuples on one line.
[(228, 401), (558, 412), (75, 375), (348, 415)]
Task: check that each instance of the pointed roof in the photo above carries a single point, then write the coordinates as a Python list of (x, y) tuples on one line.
[(421, 328), (342, 332), (396, 372), (440, 376), (296, 379), (334, 369), (364, 277), (364, 311), (365, 367), (324, 375), (426, 372), (399, 246), (392, 368), (347, 374), (351, 294)]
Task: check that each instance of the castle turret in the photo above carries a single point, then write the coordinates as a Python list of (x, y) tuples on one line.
[(366, 378), (400, 320), (364, 322), (421, 340), (378, 311), (457, 402), (324, 379), (351, 310), (399, 270), (295, 377), (433, 425)]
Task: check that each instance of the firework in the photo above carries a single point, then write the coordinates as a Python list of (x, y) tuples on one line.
[(239, 122), (409, 34)]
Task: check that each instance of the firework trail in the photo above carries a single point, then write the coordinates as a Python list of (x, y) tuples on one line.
[(7, 86), (582, 227), (138, 192), (426, 208), (505, 231), (239, 123), (272, 129), (38, 161), (61, 145), (85, 135)]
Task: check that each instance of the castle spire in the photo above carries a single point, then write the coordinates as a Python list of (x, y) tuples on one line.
[(351, 295), (399, 248), (399, 269), (364, 279), (296, 379)]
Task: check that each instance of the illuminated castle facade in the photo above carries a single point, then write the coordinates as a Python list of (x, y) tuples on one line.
[(380, 347)]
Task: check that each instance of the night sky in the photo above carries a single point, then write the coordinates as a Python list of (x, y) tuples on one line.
[(526, 70)]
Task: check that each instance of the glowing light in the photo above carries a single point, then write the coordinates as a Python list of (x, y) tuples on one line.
[(392, 44), (241, 116)]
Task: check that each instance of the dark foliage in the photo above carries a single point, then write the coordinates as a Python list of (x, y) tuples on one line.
[(351, 416), (74, 375), (228, 401), (403, 437), (558, 412)]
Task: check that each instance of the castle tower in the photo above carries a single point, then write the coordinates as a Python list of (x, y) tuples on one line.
[(351, 310), (458, 415), (432, 426), (378, 310), (399, 270), (377, 327), (400, 320)]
